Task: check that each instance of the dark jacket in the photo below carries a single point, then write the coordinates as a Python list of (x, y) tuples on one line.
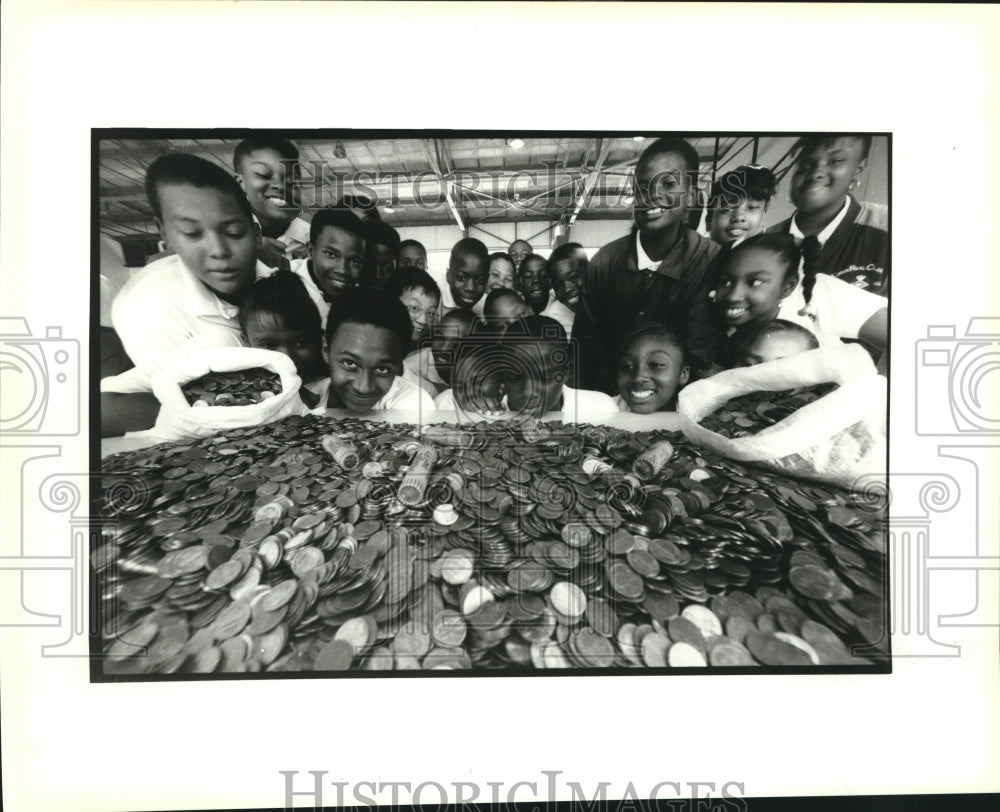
[(858, 249), (615, 295)]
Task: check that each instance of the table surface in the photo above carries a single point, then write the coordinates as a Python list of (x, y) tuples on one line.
[(621, 420)]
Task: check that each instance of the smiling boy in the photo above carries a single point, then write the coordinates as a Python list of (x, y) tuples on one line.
[(658, 272), (366, 336), (336, 257), (468, 270)]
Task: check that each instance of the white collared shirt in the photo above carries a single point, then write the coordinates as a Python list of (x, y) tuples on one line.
[(825, 234), (165, 312), (642, 259), (300, 267), (403, 395)]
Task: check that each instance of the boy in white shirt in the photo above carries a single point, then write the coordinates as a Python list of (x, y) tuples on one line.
[(189, 300), (366, 336), (567, 265)]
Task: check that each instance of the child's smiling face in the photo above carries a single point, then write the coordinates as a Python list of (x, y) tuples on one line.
[(364, 361), (822, 177), (566, 280), (337, 259), (650, 372), (731, 223), (534, 276), (751, 287), (467, 280), (662, 187), (501, 275), (265, 176)]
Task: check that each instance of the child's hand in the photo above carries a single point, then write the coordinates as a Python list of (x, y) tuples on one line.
[(272, 254)]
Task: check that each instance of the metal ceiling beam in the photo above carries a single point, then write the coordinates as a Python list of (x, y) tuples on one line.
[(432, 158), (605, 148)]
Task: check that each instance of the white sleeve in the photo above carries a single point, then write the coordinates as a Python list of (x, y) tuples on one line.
[(841, 308), (154, 336)]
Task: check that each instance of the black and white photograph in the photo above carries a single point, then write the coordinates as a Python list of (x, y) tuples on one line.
[(491, 403), (505, 404)]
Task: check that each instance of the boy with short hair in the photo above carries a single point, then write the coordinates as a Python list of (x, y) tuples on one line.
[(566, 266), (190, 299), (366, 336), (336, 257), (658, 272), (412, 254), (853, 236), (421, 297), (534, 284), (468, 268), (503, 307), (266, 169), (519, 250), (382, 253)]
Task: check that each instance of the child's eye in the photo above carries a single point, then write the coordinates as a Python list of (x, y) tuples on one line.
[(191, 235), (756, 283), (384, 371), (347, 364), (236, 234)]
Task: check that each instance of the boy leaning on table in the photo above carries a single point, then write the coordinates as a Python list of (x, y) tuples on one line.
[(189, 300)]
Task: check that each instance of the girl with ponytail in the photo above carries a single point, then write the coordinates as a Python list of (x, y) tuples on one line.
[(771, 276)]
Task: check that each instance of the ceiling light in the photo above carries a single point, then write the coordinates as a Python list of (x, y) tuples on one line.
[(389, 210), (339, 151), (638, 138), (515, 143)]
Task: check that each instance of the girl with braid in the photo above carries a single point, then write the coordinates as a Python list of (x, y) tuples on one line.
[(760, 280)]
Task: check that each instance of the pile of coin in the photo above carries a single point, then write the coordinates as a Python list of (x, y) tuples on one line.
[(242, 388), (748, 414), (257, 549)]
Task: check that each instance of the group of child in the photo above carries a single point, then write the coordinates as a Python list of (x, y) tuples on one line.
[(368, 326)]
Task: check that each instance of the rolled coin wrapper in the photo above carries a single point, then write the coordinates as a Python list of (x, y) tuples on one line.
[(414, 484), (457, 438), (344, 452), (648, 464), (592, 465)]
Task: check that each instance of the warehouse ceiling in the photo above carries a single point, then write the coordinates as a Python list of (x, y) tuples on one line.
[(434, 181)]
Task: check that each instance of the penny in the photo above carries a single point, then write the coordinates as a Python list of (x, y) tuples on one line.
[(813, 581), (532, 553), (337, 655), (704, 619), (654, 650), (448, 628), (683, 630), (684, 655), (770, 650), (568, 599), (729, 654)]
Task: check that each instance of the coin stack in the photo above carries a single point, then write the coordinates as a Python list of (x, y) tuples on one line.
[(747, 415), (255, 550), (232, 388)]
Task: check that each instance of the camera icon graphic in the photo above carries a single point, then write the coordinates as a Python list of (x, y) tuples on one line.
[(958, 380), (39, 381)]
